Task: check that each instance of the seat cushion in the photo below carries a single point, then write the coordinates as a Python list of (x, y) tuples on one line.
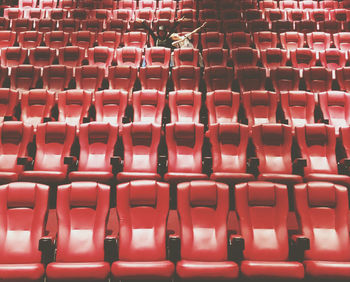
[(186, 269), (232, 178), (98, 176), (287, 179), (128, 176), (327, 269), (177, 177), (96, 271), (142, 269), (334, 178), (45, 177), (272, 269), (7, 177), (21, 272)]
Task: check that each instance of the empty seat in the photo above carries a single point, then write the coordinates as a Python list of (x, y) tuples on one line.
[(79, 14), (244, 57), (318, 79), (123, 14), (46, 25), (298, 107), (47, 4), (84, 39), (41, 56), (56, 39), (287, 4), (157, 56), (212, 39), (258, 26), (13, 13), (71, 56), (25, 210), (69, 4), (53, 143), (86, 203), (110, 39), (135, 39), (7, 38), (165, 13), (318, 40), (100, 56), (292, 40), (73, 106), (285, 79), (297, 14), (186, 77), (4, 24), (317, 143), (229, 143), (331, 26), (57, 13), (332, 59), (343, 78), (318, 15), (171, 4), (204, 205), (141, 141), (154, 77), (34, 13), (24, 77), (281, 26), (260, 106), (8, 103), (22, 25), (189, 14), (186, 56), (68, 25), (13, 56), (342, 41), (89, 77), (303, 58), (272, 58), (127, 4), (215, 57), (129, 56), (30, 39), (265, 256), (110, 106), (234, 25), (56, 77), (334, 106), (305, 26), (187, 4), (148, 106), (92, 25), (218, 77), (238, 39), (265, 39), (36, 106), (316, 201), (122, 77), (273, 148), (185, 106), (184, 142), (266, 5), (118, 25), (275, 15), (252, 78)]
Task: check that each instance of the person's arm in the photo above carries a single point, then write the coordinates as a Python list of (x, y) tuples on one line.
[(187, 35), (176, 23), (146, 26)]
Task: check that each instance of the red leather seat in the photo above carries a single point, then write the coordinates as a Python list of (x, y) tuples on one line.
[(244, 57), (273, 148), (97, 144), (127, 4), (315, 202), (92, 25), (265, 5), (318, 41), (332, 59), (89, 77), (29, 39), (82, 212), (7, 38), (47, 4), (141, 141), (265, 39), (273, 58), (123, 14), (184, 142), (24, 77), (142, 208), (260, 106), (36, 106), (144, 14), (298, 107), (129, 56), (330, 26), (157, 56), (317, 143), (340, 14), (13, 56), (135, 39), (110, 106), (203, 208), (118, 25), (186, 77), (215, 57), (13, 13), (22, 25), (218, 78), (189, 14), (306, 26), (53, 143), (281, 26), (148, 4), (259, 25), (57, 13), (154, 77), (100, 56), (185, 106), (342, 41), (69, 25), (288, 4), (83, 38), (262, 210), (34, 13), (4, 24), (303, 58), (15, 138), (165, 13), (318, 79), (292, 40), (8, 103), (56, 39), (329, 5), (46, 25), (109, 38), (252, 78), (229, 143), (41, 56), (275, 15), (285, 79), (343, 78), (148, 106), (238, 39), (186, 56), (24, 211), (167, 4), (122, 77), (318, 15), (335, 108), (56, 77), (187, 4), (212, 40)]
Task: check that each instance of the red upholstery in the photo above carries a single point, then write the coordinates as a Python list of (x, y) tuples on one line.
[(342, 41), (343, 78), (8, 102), (142, 208), (186, 77), (318, 79), (273, 148), (15, 138), (148, 106), (186, 56), (110, 105), (303, 58), (135, 39), (109, 38), (322, 210), (212, 40), (292, 40), (24, 77), (7, 38), (167, 4), (92, 25), (82, 212), (24, 210), (71, 56), (89, 77), (154, 77), (262, 210), (97, 143), (298, 107), (56, 39), (57, 77), (129, 56), (57, 13), (238, 39), (218, 78), (317, 144), (318, 40), (228, 148), (272, 58), (83, 38), (141, 141), (332, 59), (53, 142), (215, 57), (244, 57), (29, 39), (203, 209), (157, 56), (36, 105), (184, 142), (265, 39), (252, 78), (41, 56), (100, 56), (285, 79), (317, 15), (185, 105), (13, 56)]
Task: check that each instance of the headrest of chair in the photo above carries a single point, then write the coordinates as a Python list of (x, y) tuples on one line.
[(98, 132), (316, 134), (37, 97), (185, 97), (229, 133), (143, 193), (89, 71), (185, 134), (55, 132), (336, 98), (260, 98), (11, 132), (21, 195), (154, 72), (321, 194), (297, 99), (273, 134), (261, 194), (74, 97), (203, 194), (83, 194), (5, 96), (186, 54), (223, 97), (111, 97), (141, 133), (149, 97)]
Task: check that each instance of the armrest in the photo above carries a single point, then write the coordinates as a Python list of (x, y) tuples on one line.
[(207, 165), (116, 163), (47, 249), (253, 164), (299, 244), (236, 247), (70, 160), (111, 248), (24, 160), (298, 165), (162, 164), (174, 247)]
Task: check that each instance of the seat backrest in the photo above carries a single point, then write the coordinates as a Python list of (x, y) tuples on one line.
[(110, 105), (243, 57), (322, 214), (229, 143), (71, 56), (135, 39), (154, 77), (292, 40), (285, 78), (184, 142), (89, 77), (157, 56), (122, 77), (15, 137), (13, 56), (273, 147), (215, 57), (57, 77), (186, 56), (317, 145), (141, 141), (148, 106), (24, 210), (97, 144), (185, 105), (218, 78), (129, 56), (54, 141), (262, 210), (186, 77), (252, 78), (203, 210), (24, 77), (143, 208), (82, 213), (83, 38), (8, 102)]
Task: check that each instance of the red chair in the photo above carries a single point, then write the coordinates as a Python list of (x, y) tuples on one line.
[(122, 77), (252, 78), (318, 41), (41, 56), (303, 58), (265, 39), (69, 25), (157, 56), (332, 59), (7, 38), (244, 57), (89, 77), (186, 78), (285, 79), (238, 39), (148, 106), (56, 39), (71, 56), (56, 77), (129, 56), (343, 78), (100, 56), (215, 57), (186, 56), (273, 58), (342, 41), (318, 79), (29, 39), (218, 78), (154, 77), (8, 103), (135, 39), (110, 39), (13, 56), (84, 39), (24, 77), (185, 106)]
